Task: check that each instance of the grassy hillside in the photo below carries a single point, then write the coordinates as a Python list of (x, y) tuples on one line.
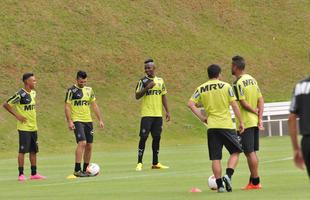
[(110, 40)]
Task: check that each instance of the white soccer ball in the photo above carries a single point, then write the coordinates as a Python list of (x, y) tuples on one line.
[(93, 169), (212, 182)]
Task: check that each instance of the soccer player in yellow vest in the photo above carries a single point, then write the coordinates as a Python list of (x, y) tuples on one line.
[(22, 106), (251, 104), (152, 90), (216, 96), (79, 99)]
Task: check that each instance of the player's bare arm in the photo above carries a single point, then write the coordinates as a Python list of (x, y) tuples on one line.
[(165, 104), (97, 112), (260, 106), (196, 111), (11, 110), (298, 158), (248, 107), (144, 90), (68, 116), (236, 110)]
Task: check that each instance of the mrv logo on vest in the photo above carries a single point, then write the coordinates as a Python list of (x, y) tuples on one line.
[(29, 107), (81, 103)]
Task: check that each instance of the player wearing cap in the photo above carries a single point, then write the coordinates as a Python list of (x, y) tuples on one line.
[(216, 96), (152, 90), (22, 106)]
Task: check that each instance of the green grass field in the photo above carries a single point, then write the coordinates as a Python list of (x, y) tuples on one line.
[(189, 167)]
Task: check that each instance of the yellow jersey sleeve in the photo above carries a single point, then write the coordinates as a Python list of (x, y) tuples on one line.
[(163, 88), (14, 99), (139, 86), (196, 97), (239, 90), (68, 98), (92, 96), (231, 94)]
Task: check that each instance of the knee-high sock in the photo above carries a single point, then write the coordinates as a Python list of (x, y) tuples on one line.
[(141, 148), (155, 147)]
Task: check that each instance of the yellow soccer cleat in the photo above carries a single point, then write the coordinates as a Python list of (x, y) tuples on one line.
[(71, 177), (159, 166), (139, 167)]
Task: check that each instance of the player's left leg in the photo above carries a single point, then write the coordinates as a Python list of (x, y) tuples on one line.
[(156, 130), (231, 143), (305, 146), (34, 149), (250, 144), (89, 134), (215, 146)]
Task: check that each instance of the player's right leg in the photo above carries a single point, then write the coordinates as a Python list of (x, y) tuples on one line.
[(145, 127), (215, 146), (80, 148), (232, 144), (24, 144), (250, 144), (305, 146)]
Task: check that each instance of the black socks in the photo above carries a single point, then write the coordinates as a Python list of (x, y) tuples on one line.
[(21, 170), (230, 172), (85, 165), (219, 182), (77, 167), (155, 148), (33, 170), (141, 148), (255, 181)]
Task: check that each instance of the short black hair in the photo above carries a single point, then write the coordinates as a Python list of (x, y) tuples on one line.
[(239, 62), (26, 76), (81, 74), (148, 61), (214, 71)]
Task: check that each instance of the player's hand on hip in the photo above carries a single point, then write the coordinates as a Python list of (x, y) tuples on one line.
[(298, 159), (101, 124), (241, 128), (71, 126), (150, 85), (21, 118), (167, 116)]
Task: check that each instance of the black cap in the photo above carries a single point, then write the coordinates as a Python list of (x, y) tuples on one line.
[(26, 76), (150, 60)]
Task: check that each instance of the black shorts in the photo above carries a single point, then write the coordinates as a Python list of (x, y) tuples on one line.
[(305, 147), (250, 140), (217, 138), (84, 131), (28, 141), (151, 124)]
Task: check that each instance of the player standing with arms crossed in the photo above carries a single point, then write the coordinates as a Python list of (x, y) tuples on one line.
[(25, 113), (251, 104), (78, 100), (216, 96), (152, 90), (300, 107)]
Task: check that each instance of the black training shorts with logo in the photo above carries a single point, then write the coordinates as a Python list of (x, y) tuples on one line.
[(250, 139), (151, 124), (84, 131), (28, 141), (217, 138)]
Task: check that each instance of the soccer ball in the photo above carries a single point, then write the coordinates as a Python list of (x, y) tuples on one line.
[(93, 169), (212, 183)]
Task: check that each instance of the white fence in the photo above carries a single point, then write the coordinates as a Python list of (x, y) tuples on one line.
[(274, 114)]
